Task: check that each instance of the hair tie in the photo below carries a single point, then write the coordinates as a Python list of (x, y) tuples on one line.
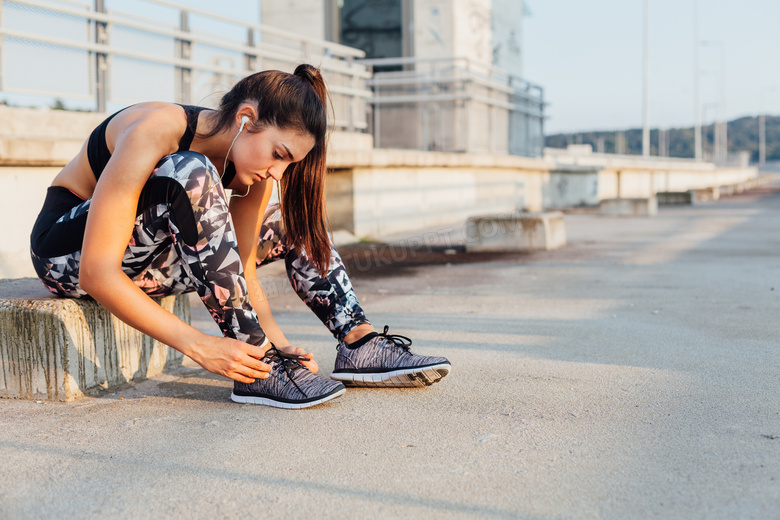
[(306, 72)]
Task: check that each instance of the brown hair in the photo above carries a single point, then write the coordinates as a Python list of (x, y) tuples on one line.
[(291, 101)]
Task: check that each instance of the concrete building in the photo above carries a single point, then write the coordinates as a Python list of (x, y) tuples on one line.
[(447, 74), (486, 32)]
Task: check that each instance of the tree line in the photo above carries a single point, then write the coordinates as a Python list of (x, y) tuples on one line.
[(742, 135)]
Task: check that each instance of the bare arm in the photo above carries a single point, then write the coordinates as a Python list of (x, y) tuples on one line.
[(247, 213), (139, 143)]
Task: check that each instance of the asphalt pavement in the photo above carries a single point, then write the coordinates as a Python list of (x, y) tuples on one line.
[(633, 374)]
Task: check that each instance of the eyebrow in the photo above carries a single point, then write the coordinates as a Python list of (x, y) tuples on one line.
[(289, 154)]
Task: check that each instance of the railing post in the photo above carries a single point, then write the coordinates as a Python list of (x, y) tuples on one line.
[(250, 60), (184, 52), (426, 139), (352, 99), (2, 61), (376, 111), (101, 60), (541, 122)]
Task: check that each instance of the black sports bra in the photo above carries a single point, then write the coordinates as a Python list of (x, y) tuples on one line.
[(98, 154)]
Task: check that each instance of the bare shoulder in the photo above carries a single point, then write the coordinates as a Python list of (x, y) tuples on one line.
[(163, 123)]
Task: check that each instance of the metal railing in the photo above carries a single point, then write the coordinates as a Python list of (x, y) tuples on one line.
[(102, 59), (454, 105)]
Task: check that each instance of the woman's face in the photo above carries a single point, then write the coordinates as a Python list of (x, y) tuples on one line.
[(267, 154)]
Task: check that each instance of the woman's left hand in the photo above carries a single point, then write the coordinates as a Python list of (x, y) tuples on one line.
[(298, 351)]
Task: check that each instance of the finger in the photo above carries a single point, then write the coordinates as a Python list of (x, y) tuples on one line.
[(311, 365), (296, 351), (302, 353), (256, 366), (253, 374), (255, 351)]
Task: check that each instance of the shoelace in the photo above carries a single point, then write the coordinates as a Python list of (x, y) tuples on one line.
[(397, 339), (288, 364)]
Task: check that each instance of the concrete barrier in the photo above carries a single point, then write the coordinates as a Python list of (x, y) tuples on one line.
[(727, 191), (674, 198), (705, 195), (625, 207), (59, 349), (515, 232), (690, 197)]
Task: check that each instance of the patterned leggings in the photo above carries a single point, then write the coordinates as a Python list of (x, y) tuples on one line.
[(183, 240)]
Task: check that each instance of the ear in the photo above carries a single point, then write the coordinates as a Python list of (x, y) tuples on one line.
[(245, 110)]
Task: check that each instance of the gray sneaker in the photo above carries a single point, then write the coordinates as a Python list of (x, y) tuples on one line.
[(382, 359), (290, 385)]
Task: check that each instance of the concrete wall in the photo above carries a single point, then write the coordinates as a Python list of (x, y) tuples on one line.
[(306, 17), (632, 176), (21, 198), (446, 28), (507, 27), (571, 188), (399, 191), (472, 30)]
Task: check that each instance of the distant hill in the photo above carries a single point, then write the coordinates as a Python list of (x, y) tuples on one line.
[(742, 135)]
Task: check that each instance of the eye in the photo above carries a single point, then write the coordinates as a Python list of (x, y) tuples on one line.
[(277, 156)]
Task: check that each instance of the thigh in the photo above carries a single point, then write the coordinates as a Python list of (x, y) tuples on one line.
[(158, 269)]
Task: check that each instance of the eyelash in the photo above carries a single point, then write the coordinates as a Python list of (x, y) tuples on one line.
[(277, 156)]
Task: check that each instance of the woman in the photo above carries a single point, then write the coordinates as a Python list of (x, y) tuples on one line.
[(141, 211)]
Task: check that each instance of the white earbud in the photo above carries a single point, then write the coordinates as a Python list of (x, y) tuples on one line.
[(244, 121)]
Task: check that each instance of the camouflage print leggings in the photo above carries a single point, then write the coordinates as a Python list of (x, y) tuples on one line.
[(183, 240)]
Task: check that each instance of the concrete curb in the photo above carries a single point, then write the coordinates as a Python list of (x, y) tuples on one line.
[(59, 349)]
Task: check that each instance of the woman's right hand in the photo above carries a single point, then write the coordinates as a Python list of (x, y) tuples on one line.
[(231, 358)]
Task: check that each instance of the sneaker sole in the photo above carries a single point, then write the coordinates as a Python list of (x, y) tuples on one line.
[(251, 399), (403, 378)]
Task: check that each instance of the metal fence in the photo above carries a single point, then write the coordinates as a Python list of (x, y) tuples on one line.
[(454, 105), (93, 56)]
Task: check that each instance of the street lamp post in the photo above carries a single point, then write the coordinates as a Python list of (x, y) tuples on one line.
[(645, 93), (705, 109), (761, 139), (696, 104), (721, 136), (762, 128)]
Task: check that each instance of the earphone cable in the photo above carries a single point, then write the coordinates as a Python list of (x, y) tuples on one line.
[(224, 165)]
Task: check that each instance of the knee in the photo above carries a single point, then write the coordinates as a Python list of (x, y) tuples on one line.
[(194, 171)]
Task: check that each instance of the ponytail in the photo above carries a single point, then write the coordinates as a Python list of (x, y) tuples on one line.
[(302, 188)]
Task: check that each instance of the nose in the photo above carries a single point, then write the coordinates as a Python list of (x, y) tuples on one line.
[(275, 172)]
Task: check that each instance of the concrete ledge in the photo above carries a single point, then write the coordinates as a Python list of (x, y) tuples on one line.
[(641, 207), (759, 181), (516, 232), (59, 349), (705, 195), (395, 158)]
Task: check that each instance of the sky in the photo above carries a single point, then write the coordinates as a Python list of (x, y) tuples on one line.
[(588, 57)]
